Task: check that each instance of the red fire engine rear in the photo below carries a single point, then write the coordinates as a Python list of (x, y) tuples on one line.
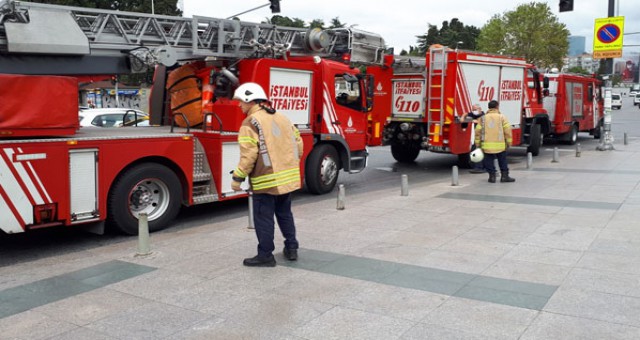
[(430, 95)]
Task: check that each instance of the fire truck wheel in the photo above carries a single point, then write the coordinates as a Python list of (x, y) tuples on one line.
[(599, 130), (535, 141), (404, 154), (322, 167), (571, 137), (150, 188)]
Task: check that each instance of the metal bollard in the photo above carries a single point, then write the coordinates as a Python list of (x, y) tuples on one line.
[(555, 155), (340, 203), (143, 235), (251, 222), (529, 160), (578, 150), (404, 186), (496, 166), (626, 139), (454, 176)]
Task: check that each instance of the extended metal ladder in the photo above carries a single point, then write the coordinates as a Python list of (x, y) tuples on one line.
[(437, 71), (34, 28)]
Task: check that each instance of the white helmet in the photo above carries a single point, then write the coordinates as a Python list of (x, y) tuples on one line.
[(476, 155), (249, 92)]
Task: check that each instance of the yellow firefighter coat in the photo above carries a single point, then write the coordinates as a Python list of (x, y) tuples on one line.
[(270, 152), (493, 133)]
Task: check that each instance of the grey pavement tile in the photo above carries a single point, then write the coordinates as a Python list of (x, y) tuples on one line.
[(616, 247), (254, 282), (482, 247), (81, 334), (394, 252), (224, 329), (208, 265), (515, 286), (347, 323), (32, 325), (157, 284), (428, 279), (584, 220), (470, 316), (496, 235), (503, 297), (88, 307), (528, 271), (564, 237), (456, 227), (605, 281), (320, 287), (622, 264), (360, 268), (526, 225), (544, 255), (274, 310), (423, 331), (607, 307), (556, 326), (203, 297), (150, 321), (396, 302), (426, 239), (458, 262)]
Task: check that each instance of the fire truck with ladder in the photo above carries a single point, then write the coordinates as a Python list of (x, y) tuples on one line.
[(54, 174), (429, 95)]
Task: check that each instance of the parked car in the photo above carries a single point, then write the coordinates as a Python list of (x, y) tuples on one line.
[(112, 117), (616, 101)]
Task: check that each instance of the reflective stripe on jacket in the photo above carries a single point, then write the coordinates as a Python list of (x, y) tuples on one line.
[(493, 133), (270, 152)]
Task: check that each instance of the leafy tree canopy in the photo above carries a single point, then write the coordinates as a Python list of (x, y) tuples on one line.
[(452, 33), (297, 22), (531, 31)]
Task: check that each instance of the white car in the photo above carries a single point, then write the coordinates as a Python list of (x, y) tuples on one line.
[(616, 101), (636, 99), (112, 117)]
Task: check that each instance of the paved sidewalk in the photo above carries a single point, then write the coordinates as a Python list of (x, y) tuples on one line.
[(555, 255)]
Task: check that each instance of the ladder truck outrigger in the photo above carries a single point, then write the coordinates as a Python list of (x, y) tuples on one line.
[(54, 174)]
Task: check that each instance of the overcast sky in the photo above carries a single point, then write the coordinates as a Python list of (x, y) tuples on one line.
[(399, 21)]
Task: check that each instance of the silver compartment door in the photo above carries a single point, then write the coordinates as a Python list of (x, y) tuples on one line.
[(83, 172)]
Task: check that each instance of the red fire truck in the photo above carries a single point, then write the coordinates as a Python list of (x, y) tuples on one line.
[(430, 95), (574, 103), (54, 174)]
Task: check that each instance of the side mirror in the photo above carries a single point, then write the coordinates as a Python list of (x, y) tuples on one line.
[(545, 83)]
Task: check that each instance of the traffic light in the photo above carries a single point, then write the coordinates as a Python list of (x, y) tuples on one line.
[(566, 5), (275, 6)]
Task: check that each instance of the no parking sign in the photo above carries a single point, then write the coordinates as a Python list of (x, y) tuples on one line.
[(607, 37)]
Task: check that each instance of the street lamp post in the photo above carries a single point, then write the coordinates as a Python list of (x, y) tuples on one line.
[(153, 10)]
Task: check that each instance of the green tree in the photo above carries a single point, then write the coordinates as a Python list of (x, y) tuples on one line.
[(336, 23), (164, 7), (317, 23), (530, 31), (578, 70), (286, 21), (452, 33)]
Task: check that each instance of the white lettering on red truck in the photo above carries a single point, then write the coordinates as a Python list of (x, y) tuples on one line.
[(285, 97)]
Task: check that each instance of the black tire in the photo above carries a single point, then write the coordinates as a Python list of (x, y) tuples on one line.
[(404, 154), (535, 139), (599, 130), (322, 169), (571, 137), (151, 188)]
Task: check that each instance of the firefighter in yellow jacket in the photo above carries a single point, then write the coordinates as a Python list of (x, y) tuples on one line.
[(493, 136), (270, 152)]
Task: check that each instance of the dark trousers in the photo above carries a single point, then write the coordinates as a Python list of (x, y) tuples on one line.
[(487, 162), (265, 206)]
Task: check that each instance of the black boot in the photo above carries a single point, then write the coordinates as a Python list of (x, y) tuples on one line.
[(492, 177), (258, 261), (505, 178)]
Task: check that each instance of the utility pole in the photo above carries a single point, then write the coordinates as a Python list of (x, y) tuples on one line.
[(606, 141)]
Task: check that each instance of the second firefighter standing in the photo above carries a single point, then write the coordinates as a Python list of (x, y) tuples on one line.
[(493, 136)]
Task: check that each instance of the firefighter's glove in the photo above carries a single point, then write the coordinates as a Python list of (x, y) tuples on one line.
[(235, 185)]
